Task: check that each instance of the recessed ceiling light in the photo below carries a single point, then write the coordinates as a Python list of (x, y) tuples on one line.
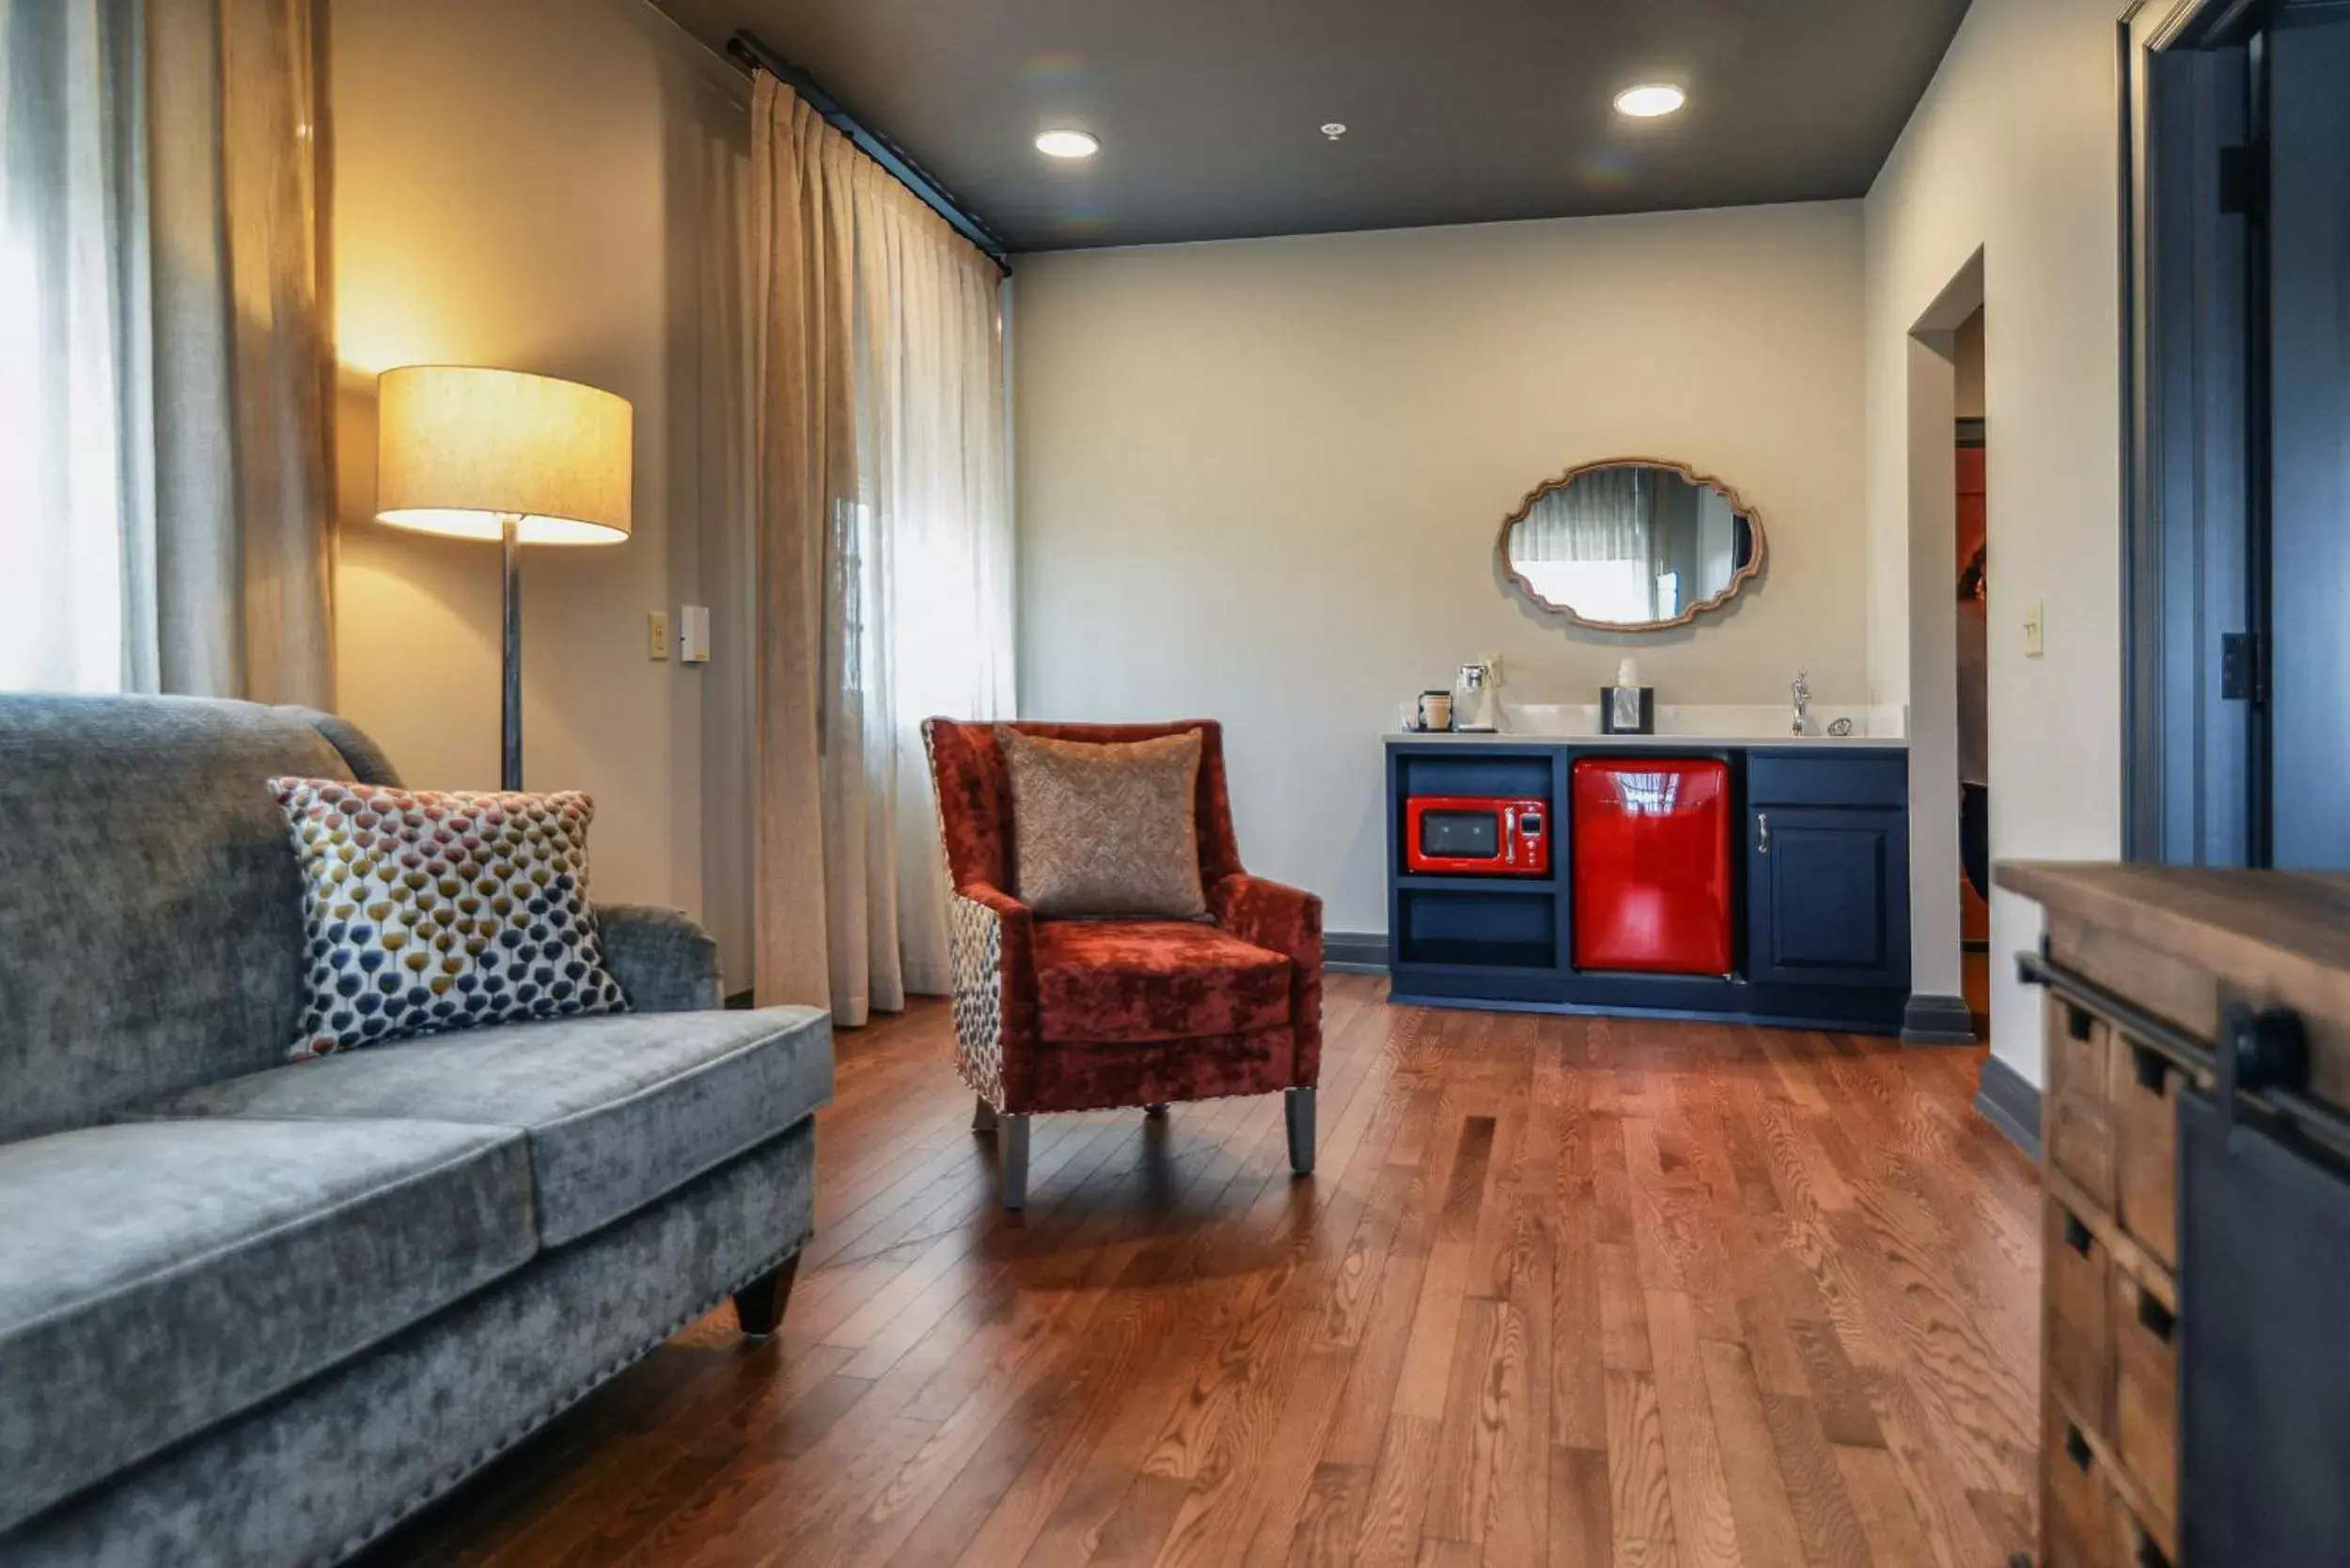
[(1334, 129), (1067, 144), (1650, 99)]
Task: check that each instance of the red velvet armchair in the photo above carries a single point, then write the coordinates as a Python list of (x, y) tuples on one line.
[(1071, 1015)]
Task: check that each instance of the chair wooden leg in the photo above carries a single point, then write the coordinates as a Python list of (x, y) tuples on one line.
[(1298, 1105), (759, 1306), (1012, 1144), (982, 1116)]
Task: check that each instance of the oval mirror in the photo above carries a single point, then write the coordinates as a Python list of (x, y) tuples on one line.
[(1632, 545)]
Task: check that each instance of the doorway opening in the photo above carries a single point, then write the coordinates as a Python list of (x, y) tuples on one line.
[(1942, 1011), (1972, 577)]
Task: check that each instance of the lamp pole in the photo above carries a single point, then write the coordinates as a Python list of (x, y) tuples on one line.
[(511, 717)]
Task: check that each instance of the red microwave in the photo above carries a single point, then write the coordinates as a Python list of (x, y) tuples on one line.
[(1467, 836)]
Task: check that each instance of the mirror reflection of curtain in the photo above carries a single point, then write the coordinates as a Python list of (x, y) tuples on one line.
[(1603, 546)]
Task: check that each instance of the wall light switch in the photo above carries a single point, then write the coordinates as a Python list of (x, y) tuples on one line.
[(657, 635), (693, 634), (2031, 630)]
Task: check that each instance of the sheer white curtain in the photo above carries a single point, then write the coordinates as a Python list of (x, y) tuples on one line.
[(886, 556), (64, 112), (165, 520)]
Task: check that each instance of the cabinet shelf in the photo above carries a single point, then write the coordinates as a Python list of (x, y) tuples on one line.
[(1429, 882)]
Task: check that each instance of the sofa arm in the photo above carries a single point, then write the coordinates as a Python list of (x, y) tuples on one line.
[(1287, 921), (991, 944), (663, 959)]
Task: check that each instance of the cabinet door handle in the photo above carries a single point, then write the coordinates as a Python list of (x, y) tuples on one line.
[(1761, 832)]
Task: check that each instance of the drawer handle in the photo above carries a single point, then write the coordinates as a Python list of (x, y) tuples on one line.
[(2076, 1235), (2076, 1022), (2076, 1446), (2148, 1066), (2152, 1316)]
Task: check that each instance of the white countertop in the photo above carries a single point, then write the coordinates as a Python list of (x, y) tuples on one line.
[(1448, 737), (1715, 724)]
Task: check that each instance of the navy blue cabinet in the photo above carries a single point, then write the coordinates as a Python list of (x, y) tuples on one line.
[(1821, 911), (1827, 896)]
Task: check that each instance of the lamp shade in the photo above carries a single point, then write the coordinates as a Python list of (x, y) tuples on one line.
[(460, 449)]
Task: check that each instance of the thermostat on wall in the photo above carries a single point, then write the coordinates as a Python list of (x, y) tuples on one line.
[(693, 634)]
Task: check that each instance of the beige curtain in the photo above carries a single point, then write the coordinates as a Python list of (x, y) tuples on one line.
[(884, 550), (157, 187)]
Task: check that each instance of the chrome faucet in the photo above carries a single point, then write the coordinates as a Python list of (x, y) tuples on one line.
[(1802, 690)]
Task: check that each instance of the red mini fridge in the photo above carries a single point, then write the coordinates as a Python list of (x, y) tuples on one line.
[(1651, 848)]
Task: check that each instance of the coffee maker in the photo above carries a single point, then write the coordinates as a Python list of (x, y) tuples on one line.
[(1477, 698)]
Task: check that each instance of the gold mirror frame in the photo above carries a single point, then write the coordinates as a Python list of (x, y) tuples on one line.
[(1738, 579)]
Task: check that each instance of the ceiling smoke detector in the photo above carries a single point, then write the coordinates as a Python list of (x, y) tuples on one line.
[(1334, 129)]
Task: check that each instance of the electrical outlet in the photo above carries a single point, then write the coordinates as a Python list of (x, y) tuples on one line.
[(2032, 629), (657, 635)]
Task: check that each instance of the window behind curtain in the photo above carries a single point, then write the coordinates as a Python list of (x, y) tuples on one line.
[(60, 257)]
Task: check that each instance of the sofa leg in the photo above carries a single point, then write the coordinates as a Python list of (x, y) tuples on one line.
[(759, 1306), (982, 1116), (1298, 1105), (1012, 1144), (1157, 1110)]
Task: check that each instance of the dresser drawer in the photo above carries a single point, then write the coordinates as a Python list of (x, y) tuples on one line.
[(2081, 1524), (2076, 1123), (2079, 1284), (2142, 1112), (2146, 1393)]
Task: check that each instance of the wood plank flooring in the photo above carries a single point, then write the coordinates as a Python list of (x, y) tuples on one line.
[(1564, 1292)]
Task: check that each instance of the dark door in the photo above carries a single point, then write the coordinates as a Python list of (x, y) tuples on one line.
[(2308, 297), (1827, 896), (2238, 674)]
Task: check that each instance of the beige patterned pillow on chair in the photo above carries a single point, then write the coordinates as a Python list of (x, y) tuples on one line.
[(1105, 827)]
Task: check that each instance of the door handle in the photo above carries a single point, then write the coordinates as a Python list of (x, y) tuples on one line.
[(1761, 832)]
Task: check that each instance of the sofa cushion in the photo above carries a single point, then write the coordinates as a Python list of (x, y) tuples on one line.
[(426, 911), (1122, 981), (619, 1109), (151, 914), (156, 1278)]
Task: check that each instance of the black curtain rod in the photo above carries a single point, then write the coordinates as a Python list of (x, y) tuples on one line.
[(747, 50)]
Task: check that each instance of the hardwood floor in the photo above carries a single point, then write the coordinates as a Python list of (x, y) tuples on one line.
[(1564, 1292)]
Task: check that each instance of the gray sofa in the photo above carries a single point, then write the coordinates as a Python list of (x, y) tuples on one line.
[(254, 1313)]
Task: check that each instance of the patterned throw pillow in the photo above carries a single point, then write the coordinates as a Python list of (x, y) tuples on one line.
[(441, 910), (1105, 827)]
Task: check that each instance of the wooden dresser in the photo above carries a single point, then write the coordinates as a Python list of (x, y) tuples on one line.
[(2159, 982)]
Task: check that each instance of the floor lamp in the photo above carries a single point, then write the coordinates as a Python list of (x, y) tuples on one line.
[(502, 455)]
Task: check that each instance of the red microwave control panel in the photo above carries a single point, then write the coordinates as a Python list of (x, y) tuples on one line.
[(1476, 836)]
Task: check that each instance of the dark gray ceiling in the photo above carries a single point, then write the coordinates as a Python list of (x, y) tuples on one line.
[(1458, 110)]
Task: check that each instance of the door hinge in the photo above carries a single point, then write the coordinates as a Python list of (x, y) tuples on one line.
[(2244, 180), (2239, 666)]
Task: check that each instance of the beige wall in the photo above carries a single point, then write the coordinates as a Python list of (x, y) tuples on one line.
[(1261, 480), (546, 185), (2012, 154)]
